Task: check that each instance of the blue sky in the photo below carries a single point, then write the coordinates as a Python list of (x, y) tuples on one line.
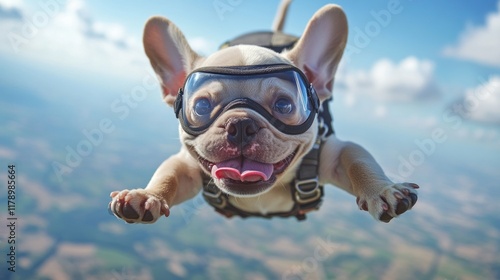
[(420, 91), (409, 62), (420, 28)]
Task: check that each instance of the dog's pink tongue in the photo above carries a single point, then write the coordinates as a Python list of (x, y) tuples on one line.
[(253, 171), (227, 170), (246, 171)]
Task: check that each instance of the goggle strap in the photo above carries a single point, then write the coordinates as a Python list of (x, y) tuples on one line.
[(249, 70), (178, 102)]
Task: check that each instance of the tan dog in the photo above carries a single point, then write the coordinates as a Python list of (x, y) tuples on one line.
[(247, 157)]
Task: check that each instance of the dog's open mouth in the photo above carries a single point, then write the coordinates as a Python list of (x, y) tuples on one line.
[(241, 175)]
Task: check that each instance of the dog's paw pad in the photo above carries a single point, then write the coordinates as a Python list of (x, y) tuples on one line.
[(129, 212), (402, 206), (390, 201), (385, 217), (137, 206), (148, 217)]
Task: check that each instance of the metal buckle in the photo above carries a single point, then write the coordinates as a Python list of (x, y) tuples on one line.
[(222, 204), (322, 130), (211, 194), (317, 144), (301, 200), (304, 182), (215, 199)]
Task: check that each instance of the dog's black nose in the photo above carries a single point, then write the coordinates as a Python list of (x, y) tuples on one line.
[(240, 131)]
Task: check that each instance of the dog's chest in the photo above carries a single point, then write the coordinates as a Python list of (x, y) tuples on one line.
[(277, 200)]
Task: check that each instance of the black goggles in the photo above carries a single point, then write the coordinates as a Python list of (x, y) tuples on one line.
[(280, 93)]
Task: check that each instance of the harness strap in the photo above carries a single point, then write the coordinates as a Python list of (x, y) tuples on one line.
[(222, 205), (306, 191)]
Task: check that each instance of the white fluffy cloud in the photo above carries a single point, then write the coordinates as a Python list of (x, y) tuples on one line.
[(479, 43), (481, 103), (202, 45), (65, 34), (409, 80)]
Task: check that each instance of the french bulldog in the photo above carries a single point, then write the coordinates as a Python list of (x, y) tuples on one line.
[(246, 125)]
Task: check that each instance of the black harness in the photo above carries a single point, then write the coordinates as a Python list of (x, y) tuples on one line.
[(306, 191)]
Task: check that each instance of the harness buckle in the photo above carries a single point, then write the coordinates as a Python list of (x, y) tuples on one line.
[(304, 200), (214, 196), (208, 192), (311, 184)]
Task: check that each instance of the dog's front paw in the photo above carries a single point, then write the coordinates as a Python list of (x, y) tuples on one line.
[(137, 206), (388, 202)]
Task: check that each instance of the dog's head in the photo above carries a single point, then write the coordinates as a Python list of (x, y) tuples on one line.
[(247, 113)]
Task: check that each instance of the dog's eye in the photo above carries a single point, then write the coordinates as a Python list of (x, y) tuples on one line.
[(283, 106), (202, 107)]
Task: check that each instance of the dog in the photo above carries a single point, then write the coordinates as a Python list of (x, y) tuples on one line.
[(248, 129)]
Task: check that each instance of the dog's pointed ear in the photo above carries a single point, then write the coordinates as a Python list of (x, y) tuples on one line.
[(319, 50), (170, 55)]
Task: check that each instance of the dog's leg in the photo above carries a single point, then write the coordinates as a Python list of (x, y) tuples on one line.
[(356, 171), (176, 180), (179, 177), (345, 164)]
